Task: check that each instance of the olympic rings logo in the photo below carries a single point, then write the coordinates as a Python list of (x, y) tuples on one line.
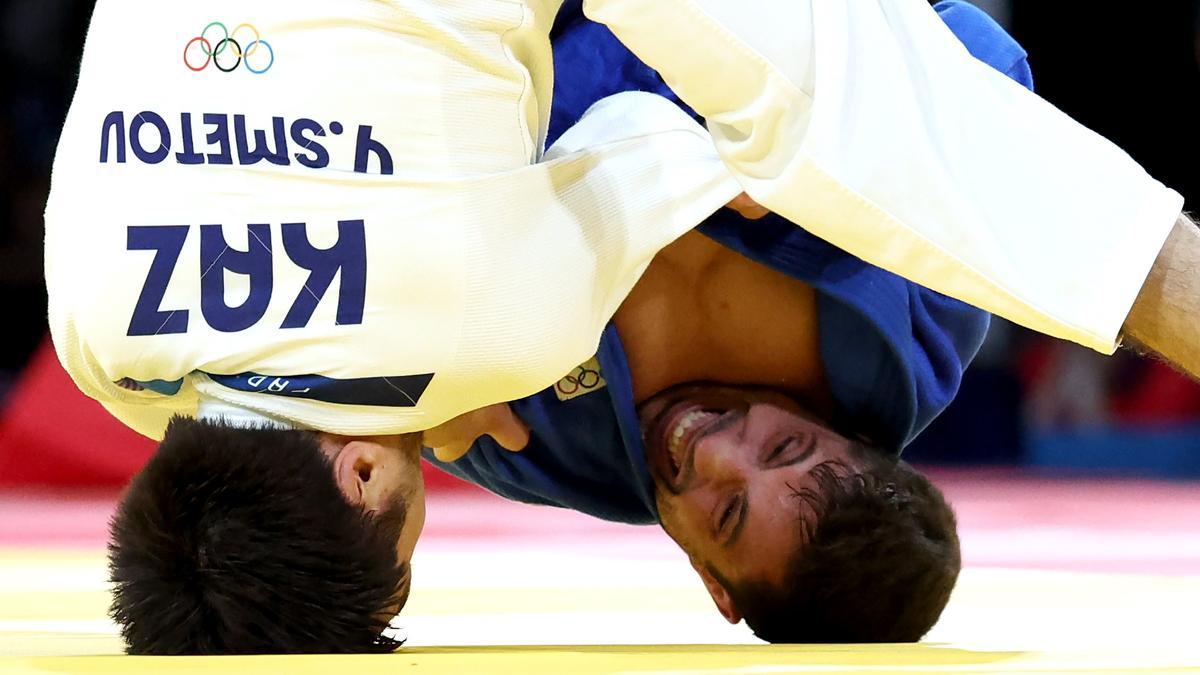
[(581, 377), (228, 44)]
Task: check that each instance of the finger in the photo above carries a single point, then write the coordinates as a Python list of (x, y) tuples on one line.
[(756, 212), (450, 453), (439, 436), (513, 439), (463, 429), (509, 431), (747, 207)]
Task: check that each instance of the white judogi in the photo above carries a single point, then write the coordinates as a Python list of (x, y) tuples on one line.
[(469, 269), (866, 122)]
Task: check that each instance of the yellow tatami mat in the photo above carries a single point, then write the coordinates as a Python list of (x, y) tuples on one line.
[(551, 581)]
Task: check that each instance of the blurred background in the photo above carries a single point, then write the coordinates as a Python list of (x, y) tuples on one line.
[(1131, 72)]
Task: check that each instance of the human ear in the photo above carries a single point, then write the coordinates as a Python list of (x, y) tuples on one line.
[(719, 594), (357, 469)]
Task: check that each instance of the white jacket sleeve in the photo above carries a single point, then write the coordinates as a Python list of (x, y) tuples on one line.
[(868, 123)]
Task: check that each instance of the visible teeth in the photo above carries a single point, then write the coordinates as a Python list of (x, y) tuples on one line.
[(682, 428)]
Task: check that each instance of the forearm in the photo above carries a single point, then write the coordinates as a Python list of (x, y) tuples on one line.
[(1165, 318)]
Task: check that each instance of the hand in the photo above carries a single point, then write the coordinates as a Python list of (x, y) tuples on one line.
[(453, 439), (747, 207)]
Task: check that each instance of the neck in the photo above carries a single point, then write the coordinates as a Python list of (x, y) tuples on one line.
[(703, 312), (228, 414)]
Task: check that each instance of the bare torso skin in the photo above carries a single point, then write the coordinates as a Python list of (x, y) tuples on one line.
[(703, 312)]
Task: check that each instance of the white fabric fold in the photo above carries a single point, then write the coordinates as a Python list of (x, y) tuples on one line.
[(869, 124)]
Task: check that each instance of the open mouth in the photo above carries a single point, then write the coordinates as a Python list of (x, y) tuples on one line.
[(676, 435), (683, 433)]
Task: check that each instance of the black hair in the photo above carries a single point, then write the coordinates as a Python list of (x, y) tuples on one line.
[(878, 560), (239, 541)]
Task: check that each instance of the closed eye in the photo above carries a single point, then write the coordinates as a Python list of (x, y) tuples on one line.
[(787, 450), (778, 450), (727, 514), (735, 518)]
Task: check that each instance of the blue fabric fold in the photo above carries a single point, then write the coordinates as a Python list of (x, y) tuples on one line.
[(894, 352)]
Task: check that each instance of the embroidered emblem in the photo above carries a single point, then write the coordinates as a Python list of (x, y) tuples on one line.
[(583, 379)]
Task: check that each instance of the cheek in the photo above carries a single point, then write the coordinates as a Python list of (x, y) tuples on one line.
[(669, 518), (666, 509), (415, 522), (407, 544), (418, 510), (680, 515)]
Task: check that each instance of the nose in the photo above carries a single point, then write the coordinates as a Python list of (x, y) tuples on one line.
[(719, 457)]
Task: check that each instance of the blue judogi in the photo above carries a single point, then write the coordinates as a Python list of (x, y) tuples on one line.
[(894, 352)]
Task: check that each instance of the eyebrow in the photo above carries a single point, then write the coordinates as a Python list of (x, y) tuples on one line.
[(743, 513)]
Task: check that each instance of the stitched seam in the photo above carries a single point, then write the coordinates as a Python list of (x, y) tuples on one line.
[(522, 119), (896, 224), (746, 50)]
